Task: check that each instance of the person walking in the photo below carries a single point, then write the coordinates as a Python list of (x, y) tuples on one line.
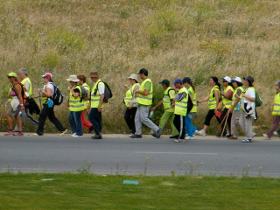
[(85, 87), (226, 102), (248, 109), (130, 102), (144, 98), (213, 102), (180, 110), (235, 107), (167, 101), (190, 128), (76, 106), (47, 111), (275, 112), (15, 106), (96, 104)]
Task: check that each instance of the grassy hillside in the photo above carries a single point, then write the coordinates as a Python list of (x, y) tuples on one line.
[(172, 38)]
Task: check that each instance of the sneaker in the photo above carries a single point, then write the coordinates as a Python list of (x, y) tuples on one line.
[(157, 134), (136, 136), (63, 132), (75, 135), (266, 136), (130, 135), (97, 137), (174, 137), (189, 137), (176, 140), (275, 133), (247, 141), (233, 138), (9, 133), (201, 132)]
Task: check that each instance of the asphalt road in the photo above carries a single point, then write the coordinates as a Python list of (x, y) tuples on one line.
[(121, 155)]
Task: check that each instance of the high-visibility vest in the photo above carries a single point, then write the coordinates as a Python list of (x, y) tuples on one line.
[(75, 104), (181, 106), (27, 80), (95, 98), (276, 105), (167, 101), (234, 98), (129, 95), (227, 102), (145, 100), (87, 88), (212, 103), (192, 93)]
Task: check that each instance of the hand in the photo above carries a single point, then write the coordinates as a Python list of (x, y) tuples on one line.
[(21, 106), (230, 110)]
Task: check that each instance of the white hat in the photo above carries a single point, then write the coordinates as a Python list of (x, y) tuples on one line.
[(73, 78), (227, 79), (133, 76), (237, 79)]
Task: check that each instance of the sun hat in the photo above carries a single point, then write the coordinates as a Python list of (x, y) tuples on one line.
[(134, 77), (73, 78)]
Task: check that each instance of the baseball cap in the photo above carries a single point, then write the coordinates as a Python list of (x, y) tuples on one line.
[(237, 79), (227, 79), (47, 74), (12, 74), (177, 81), (165, 82)]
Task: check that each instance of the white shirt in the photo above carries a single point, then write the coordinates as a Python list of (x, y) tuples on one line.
[(250, 92), (101, 88), (50, 86)]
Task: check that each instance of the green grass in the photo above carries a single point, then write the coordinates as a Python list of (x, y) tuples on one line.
[(65, 191)]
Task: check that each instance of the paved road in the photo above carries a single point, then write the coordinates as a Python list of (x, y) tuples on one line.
[(121, 155)]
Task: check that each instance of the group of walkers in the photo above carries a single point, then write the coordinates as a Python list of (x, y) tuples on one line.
[(233, 103)]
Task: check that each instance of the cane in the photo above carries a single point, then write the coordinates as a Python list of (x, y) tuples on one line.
[(226, 119)]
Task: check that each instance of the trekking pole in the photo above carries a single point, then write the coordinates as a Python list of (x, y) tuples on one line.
[(226, 120)]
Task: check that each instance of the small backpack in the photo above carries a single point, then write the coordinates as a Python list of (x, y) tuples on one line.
[(258, 100), (107, 93), (57, 95)]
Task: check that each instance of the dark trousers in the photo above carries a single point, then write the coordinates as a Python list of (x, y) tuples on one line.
[(129, 117), (275, 126), (209, 116), (179, 122), (95, 118), (45, 113), (226, 122), (76, 123)]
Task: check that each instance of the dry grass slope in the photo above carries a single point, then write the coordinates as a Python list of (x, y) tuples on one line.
[(172, 38)]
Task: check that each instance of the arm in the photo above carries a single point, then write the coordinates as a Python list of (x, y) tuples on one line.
[(217, 97), (203, 100), (18, 91), (157, 105), (101, 89)]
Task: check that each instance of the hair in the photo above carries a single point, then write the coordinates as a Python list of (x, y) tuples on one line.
[(189, 81), (216, 80), (94, 73), (278, 83), (144, 71), (82, 78)]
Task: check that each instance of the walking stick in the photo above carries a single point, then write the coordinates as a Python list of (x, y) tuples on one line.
[(226, 119)]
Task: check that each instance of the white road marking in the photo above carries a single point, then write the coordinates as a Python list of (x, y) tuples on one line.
[(176, 153)]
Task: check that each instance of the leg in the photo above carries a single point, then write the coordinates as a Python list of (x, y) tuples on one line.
[(138, 122), (72, 122), (85, 122), (54, 120), (132, 119), (174, 131), (95, 120), (78, 123), (208, 119), (42, 119), (164, 119), (188, 125), (176, 122), (275, 126), (128, 119), (144, 112), (249, 128)]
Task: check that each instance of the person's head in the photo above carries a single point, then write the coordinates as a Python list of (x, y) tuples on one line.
[(82, 79), (236, 82), (73, 80), (248, 81), (12, 77), (94, 76), (133, 78), (165, 84), (214, 81), (226, 81), (47, 77), (178, 84), (76, 92), (22, 73), (277, 86), (187, 81), (143, 73)]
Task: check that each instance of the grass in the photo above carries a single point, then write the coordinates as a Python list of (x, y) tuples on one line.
[(83, 191), (172, 38)]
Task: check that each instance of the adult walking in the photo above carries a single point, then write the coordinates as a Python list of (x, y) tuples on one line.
[(130, 102), (180, 110), (144, 98), (275, 112), (167, 101), (47, 111), (248, 109), (190, 128), (235, 107), (76, 106), (15, 106), (213, 102), (96, 104)]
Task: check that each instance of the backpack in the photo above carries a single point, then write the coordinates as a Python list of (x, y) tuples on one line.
[(107, 92), (190, 104), (57, 95), (84, 93), (258, 100)]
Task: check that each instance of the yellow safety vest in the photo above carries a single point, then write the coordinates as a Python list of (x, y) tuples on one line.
[(192, 93), (86, 102), (227, 102), (145, 100), (27, 80), (234, 98), (212, 103), (167, 102), (181, 106), (75, 104), (129, 95), (95, 98), (276, 105)]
